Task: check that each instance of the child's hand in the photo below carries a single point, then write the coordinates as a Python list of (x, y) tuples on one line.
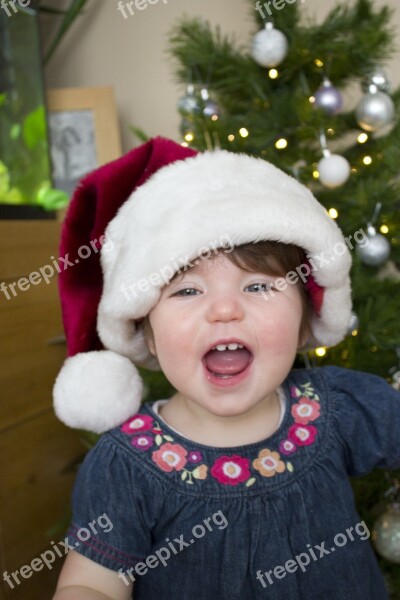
[(83, 579)]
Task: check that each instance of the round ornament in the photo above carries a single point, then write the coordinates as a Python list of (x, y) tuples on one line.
[(354, 323), (270, 46), (375, 111), (210, 108), (377, 251), (379, 78), (189, 104), (334, 170), (328, 98), (386, 533)]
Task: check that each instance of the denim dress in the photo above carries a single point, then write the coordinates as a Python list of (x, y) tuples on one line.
[(272, 520)]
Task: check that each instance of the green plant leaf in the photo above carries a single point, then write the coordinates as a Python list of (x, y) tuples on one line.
[(71, 14), (52, 199), (34, 127), (140, 134)]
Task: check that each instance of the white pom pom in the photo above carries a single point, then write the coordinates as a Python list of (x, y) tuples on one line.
[(97, 391)]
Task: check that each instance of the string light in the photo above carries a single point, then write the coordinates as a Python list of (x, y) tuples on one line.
[(367, 160), (331, 131), (384, 229), (214, 118), (312, 99), (315, 174), (184, 144), (362, 138), (333, 213), (243, 132), (231, 137), (319, 63), (281, 144), (354, 333), (273, 74), (320, 352), (189, 137)]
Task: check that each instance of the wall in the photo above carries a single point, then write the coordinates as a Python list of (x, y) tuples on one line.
[(130, 54)]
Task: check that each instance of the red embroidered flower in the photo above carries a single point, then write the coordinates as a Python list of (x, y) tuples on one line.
[(287, 447), (170, 457), (137, 423), (142, 442), (305, 411), (231, 470), (302, 435)]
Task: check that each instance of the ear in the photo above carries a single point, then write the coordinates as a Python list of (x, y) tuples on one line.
[(149, 338)]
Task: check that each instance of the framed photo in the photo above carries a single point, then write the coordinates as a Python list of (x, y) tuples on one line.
[(83, 131)]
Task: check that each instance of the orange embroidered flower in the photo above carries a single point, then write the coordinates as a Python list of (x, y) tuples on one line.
[(268, 463), (170, 457), (200, 472)]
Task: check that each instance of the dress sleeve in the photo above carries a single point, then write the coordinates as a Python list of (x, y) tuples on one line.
[(367, 411), (109, 520)]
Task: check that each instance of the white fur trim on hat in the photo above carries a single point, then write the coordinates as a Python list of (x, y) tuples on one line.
[(97, 391), (201, 202)]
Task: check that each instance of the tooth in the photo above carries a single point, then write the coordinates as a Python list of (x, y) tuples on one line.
[(233, 346), (221, 347)]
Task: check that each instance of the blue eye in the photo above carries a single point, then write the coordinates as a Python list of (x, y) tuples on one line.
[(260, 287), (186, 292)]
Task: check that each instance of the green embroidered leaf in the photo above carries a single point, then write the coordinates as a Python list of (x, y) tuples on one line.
[(184, 475), (159, 440), (190, 481), (290, 467), (251, 482), (168, 438)]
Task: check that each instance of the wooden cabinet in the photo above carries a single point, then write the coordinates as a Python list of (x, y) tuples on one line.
[(38, 455)]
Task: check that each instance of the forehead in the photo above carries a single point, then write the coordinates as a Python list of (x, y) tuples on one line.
[(202, 266)]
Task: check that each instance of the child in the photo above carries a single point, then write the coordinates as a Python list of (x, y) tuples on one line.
[(217, 269)]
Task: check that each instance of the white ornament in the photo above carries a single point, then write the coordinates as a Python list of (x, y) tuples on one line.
[(375, 111), (377, 251), (334, 170), (270, 46)]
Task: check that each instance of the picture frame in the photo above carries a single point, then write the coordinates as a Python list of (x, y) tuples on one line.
[(83, 132)]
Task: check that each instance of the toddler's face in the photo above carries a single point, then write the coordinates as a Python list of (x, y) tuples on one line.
[(217, 303)]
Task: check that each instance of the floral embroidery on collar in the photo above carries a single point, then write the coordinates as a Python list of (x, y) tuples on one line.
[(232, 470)]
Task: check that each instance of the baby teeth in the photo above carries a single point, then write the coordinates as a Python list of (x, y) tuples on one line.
[(222, 347)]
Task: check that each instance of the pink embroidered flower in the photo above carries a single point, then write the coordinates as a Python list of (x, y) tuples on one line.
[(302, 435), (195, 456), (268, 463), (305, 411), (287, 447), (294, 391), (137, 423), (231, 470), (170, 457), (142, 442)]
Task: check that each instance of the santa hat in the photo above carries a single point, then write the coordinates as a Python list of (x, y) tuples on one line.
[(148, 215)]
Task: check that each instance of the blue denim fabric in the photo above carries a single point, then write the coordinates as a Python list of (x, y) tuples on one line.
[(292, 535)]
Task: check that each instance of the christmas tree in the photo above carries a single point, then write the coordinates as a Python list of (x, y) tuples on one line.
[(281, 98)]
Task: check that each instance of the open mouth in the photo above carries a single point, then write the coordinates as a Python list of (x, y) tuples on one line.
[(227, 360)]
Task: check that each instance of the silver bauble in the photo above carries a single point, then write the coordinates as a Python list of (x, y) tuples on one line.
[(375, 111), (189, 104), (334, 170), (328, 98), (379, 78), (269, 47), (376, 252), (354, 323), (386, 534), (210, 108)]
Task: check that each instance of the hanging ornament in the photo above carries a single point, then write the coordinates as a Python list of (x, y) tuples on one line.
[(354, 324), (210, 108), (377, 251), (386, 530), (270, 46), (189, 104), (379, 78), (334, 170), (375, 111), (328, 98)]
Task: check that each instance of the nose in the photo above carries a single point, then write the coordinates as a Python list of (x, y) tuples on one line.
[(225, 307)]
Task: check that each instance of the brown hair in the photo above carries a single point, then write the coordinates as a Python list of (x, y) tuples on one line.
[(272, 258)]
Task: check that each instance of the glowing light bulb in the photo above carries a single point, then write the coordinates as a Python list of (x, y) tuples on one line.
[(367, 160), (354, 333), (362, 138), (319, 63), (331, 131), (243, 132), (281, 144), (273, 74), (333, 213), (214, 118), (320, 352), (384, 229), (312, 99), (184, 144), (315, 174), (231, 137), (189, 137)]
